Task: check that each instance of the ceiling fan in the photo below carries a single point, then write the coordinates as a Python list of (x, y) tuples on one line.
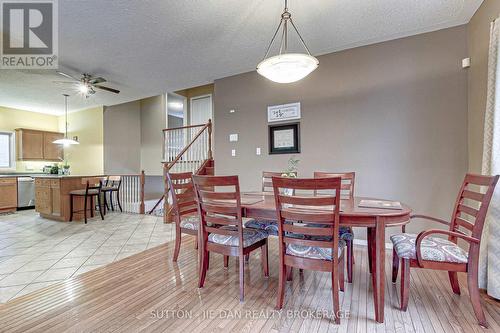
[(87, 84)]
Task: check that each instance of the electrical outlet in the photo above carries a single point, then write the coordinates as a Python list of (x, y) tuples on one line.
[(258, 151), (233, 152)]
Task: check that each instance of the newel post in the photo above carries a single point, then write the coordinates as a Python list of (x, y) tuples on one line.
[(210, 138), (143, 181)]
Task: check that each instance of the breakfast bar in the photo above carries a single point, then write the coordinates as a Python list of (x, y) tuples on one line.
[(52, 196)]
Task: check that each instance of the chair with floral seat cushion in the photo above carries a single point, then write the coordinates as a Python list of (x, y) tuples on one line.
[(316, 248), (221, 225), (346, 233), (429, 250), (433, 249), (184, 209)]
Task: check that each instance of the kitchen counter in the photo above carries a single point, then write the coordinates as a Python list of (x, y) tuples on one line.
[(52, 196), (65, 176)]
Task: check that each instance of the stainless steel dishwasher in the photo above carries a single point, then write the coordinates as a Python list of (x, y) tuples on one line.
[(25, 192)]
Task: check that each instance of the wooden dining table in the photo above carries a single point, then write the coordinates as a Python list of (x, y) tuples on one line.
[(262, 205)]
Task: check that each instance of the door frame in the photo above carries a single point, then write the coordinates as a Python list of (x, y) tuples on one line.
[(200, 97)]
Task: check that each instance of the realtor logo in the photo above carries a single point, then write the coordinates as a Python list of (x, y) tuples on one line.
[(29, 31)]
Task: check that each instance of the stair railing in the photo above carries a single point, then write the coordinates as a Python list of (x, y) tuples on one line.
[(185, 149)]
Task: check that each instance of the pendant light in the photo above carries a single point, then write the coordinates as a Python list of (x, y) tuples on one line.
[(287, 67), (66, 141)]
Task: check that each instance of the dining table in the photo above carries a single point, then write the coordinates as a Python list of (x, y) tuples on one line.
[(261, 205)]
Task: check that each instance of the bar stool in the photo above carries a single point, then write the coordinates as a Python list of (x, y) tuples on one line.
[(92, 189), (113, 184)]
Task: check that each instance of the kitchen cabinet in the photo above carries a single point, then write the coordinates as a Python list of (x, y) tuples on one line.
[(48, 197), (8, 194), (52, 151), (34, 145), (52, 197)]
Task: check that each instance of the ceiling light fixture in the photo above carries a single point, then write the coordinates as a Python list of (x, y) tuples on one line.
[(66, 141), (287, 67)]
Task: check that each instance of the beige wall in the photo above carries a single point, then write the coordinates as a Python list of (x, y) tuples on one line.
[(122, 138), (478, 38), (87, 157), (10, 119), (153, 121), (394, 112), (133, 136)]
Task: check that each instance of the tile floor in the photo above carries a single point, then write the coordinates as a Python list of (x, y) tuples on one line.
[(36, 252)]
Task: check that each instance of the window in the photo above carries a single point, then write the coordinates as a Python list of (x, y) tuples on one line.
[(7, 150)]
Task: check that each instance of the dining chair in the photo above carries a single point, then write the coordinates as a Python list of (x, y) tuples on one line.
[(346, 233), (92, 189), (430, 252), (221, 227), (308, 231), (112, 186), (184, 207), (270, 226)]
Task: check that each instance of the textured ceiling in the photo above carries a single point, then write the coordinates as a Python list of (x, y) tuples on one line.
[(148, 47)]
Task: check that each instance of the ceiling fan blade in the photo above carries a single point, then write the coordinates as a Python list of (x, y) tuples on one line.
[(64, 82), (108, 89), (97, 80), (68, 76)]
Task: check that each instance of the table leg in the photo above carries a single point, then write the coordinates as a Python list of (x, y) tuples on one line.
[(379, 291)]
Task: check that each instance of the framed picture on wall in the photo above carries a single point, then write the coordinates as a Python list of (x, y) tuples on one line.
[(284, 139)]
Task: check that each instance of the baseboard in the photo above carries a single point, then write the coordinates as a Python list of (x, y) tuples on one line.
[(364, 242)]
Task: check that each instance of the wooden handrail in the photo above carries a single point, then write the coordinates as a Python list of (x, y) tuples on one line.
[(207, 125), (183, 127)]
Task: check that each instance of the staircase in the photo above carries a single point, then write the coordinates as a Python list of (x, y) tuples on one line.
[(186, 149)]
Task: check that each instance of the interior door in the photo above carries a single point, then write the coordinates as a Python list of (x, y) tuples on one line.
[(201, 109)]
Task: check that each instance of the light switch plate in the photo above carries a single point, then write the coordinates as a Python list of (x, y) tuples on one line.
[(233, 152), (233, 137), (258, 151)]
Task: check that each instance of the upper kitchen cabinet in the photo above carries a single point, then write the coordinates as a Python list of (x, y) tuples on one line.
[(52, 151), (33, 145)]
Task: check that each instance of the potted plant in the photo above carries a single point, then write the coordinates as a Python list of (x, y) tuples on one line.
[(290, 172)]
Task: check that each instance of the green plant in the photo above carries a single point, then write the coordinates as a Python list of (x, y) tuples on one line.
[(291, 170)]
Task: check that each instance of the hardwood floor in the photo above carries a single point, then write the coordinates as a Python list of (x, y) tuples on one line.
[(148, 292)]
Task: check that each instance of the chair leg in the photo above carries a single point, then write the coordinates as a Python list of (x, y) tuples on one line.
[(177, 244), (100, 207), (85, 198), (281, 286), (369, 233), (106, 207), (208, 261), (226, 261), (242, 277), (118, 200), (203, 268), (289, 273), (92, 207), (454, 282), (472, 285), (111, 201), (71, 207), (247, 257), (335, 293), (196, 243), (264, 259), (405, 283), (395, 266), (350, 260), (341, 272)]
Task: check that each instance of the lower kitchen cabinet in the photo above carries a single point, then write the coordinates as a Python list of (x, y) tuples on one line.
[(8, 194)]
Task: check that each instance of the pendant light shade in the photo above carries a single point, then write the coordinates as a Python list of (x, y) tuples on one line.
[(66, 141), (287, 67)]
